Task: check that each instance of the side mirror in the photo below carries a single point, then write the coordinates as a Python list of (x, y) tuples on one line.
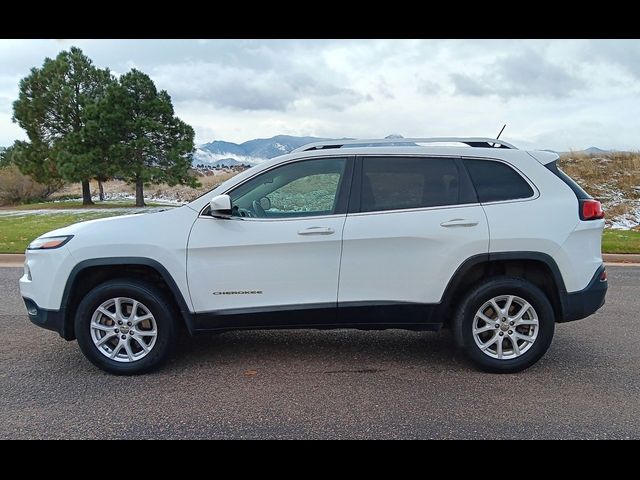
[(220, 206)]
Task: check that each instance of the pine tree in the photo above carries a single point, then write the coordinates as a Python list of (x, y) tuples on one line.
[(145, 141), (34, 159), (98, 137), (5, 156), (51, 108)]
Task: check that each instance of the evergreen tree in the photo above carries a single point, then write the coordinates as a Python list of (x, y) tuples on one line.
[(34, 159), (52, 107), (143, 138), (5, 156), (98, 137)]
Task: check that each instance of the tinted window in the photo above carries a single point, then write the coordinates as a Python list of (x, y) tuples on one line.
[(298, 189), (398, 183), (495, 181)]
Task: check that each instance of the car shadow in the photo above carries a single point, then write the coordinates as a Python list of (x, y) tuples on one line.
[(351, 348)]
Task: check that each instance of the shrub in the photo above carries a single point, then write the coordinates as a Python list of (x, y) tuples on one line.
[(15, 187)]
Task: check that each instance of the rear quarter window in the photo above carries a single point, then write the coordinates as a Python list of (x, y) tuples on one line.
[(496, 181)]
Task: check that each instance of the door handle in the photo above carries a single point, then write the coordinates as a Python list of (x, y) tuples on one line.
[(316, 231), (459, 222)]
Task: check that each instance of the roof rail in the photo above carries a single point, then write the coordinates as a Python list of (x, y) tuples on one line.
[(471, 141)]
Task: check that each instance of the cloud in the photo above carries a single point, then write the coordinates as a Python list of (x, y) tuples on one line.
[(383, 89), (623, 53), (466, 85), (429, 87), (241, 89), (343, 100), (524, 74), (245, 88)]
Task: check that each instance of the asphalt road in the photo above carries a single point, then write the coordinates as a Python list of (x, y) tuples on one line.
[(327, 384)]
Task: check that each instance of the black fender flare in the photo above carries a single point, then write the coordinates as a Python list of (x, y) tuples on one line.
[(462, 270), (115, 261)]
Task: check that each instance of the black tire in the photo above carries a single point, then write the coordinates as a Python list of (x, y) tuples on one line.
[(144, 293), (463, 323)]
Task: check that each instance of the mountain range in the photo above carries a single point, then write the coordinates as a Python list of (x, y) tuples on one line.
[(221, 153), (226, 154)]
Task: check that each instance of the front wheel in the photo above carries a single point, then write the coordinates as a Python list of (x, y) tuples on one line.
[(504, 325), (124, 327)]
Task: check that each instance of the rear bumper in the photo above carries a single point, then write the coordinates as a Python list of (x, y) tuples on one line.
[(49, 319), (578, 305)]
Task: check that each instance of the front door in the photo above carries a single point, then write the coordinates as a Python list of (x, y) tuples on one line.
[(280, 250)]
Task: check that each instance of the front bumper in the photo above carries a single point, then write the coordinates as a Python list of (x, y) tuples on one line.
[(45, 276), (49, 319), (581, 304)]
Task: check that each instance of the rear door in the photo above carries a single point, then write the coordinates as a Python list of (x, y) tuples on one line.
[(412, 221)]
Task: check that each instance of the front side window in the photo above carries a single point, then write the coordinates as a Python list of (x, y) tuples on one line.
[(390, 183), (496, 181), (300, 189)]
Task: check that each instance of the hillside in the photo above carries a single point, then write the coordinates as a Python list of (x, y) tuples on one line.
[(611, 177)]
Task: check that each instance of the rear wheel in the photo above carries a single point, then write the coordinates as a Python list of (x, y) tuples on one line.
[(124, 327), (504, 325)]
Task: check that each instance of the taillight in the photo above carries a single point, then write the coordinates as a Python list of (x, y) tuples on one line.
[(591, 209), (603, 276)]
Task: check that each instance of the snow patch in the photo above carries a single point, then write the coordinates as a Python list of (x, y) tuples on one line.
[(148, 198), (281, 147), (626, 221), (612, 197), (78, 211)]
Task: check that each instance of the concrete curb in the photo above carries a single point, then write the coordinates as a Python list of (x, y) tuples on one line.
[(11, 259), (621, 257), (17, 259)]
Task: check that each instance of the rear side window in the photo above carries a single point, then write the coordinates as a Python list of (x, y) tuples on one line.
[(496, 181), (392, 183)]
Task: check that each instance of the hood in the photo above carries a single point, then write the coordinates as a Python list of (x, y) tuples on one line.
[(109, 222), (141, 232)]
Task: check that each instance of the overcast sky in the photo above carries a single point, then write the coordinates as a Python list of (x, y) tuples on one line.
[(555, 94)]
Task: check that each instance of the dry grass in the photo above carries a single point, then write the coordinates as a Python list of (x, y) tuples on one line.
[(614, 211), (612, 177), (598, 173)]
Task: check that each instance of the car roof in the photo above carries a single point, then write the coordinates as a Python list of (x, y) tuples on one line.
[(483, 147), (429, 150)]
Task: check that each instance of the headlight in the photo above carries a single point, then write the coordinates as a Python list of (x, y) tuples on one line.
[(48, 243)]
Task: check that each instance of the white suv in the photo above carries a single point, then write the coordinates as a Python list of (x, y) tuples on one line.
[(495, 242)]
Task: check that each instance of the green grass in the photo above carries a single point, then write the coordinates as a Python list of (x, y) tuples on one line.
[(78, 204), (16, 232), (621, 241)]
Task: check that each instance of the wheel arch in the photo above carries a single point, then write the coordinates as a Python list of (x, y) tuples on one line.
[(89, 273), (536, 267)]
